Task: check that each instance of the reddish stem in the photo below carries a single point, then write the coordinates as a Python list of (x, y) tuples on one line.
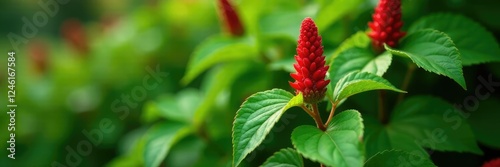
[(317, 118), (332, 112)]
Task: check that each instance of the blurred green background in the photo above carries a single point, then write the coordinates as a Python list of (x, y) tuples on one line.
[(89, 62)]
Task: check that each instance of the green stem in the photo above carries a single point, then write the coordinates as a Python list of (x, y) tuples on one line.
[(382, 115), (203, 134), (406, 81), (308, 111)]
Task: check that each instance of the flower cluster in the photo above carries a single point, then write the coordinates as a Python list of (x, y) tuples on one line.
[(310, 66), (386, 24), (492, 163)]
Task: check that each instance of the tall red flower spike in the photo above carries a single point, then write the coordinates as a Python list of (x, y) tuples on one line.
[(386, 24), (310, 67), (492, 163), (230, 18)]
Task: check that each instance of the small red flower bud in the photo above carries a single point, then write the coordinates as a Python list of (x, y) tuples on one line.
[(492, 163), (310, 66), (38, 55), (108, 22), (230, 18), (386, 24), (74, 33)]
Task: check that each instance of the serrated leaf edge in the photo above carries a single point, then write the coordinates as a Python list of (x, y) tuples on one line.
[(401, 53), (285, 149), (287, 106)]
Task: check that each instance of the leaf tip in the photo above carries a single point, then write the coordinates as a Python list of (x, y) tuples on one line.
[(185, 80), (463, 85)]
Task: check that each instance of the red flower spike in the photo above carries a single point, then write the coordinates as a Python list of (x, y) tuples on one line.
[(230, 18), (386, 24), (310, 64), (492, 163)]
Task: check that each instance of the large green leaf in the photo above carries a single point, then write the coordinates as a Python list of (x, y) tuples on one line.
[(481, 47), (284, 158), (433, 51), (333, 10), (217, 80), (340, 145), (483, 119), (358, 82), (424, 121), (379, 137), (216, 50), (398, 158), (359, 39), (160, 139), (256, 118), (427, 117)]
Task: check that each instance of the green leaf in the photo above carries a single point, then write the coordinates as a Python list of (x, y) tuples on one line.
[(483, 119), (340, 145), (216, 50), (256, 118), (433, 51), (358, 82), (160, 139), (218, 79), (334, 10), (398, 158), (132, 150), (360, 40), (186, 152), (379, 137), (422, 121), (355, 59), (350, 60), (284, 158), (178, 107), (432, 119), (481, 47), (379, 65)]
